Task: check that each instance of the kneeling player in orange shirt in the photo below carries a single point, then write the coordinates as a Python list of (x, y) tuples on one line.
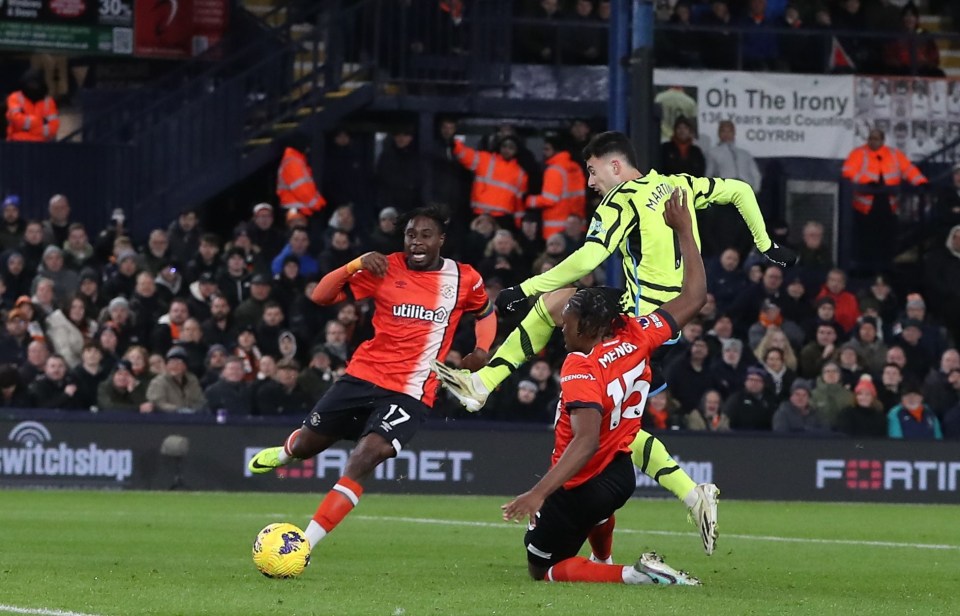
[(604, 385)]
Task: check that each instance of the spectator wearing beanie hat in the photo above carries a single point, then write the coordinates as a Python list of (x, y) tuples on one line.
[(912, 419), (751, 408), (866, 416), (796, 414)]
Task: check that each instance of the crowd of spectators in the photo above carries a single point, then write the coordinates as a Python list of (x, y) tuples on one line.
[(770, 35), (193, 322)]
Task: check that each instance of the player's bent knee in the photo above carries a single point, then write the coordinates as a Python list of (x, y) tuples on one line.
[(556, 301), (537, 573)]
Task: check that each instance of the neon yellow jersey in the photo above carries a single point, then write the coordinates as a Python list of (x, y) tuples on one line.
[(630, 219)]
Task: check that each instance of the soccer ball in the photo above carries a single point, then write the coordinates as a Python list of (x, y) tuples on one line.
[(281, 550)]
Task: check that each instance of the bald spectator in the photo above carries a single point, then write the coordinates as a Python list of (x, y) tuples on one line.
[(727, 160)]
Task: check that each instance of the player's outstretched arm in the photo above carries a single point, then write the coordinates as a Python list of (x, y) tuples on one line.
[(741, 195), (693, 293), (330, 288), (485, 331), (580, 263), (585, 422)]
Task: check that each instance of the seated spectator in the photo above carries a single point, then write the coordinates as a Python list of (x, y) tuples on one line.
[(89, 290), (547, 387), (44, 299), (519, 404), (850, 368), (184, 236), (282, 395), (719, 47), (288, 346), (866, 417), (796, 415), (170, 282), (247, 350), (201, 290), (32, 247), (536, 42), (385, 237), (216, 358), (69, 329), (918, 361), (318, 376), (481, 232), (681, 154), (269, 328), (53, 390), (938, 388), (815, 260), (912, 419), (708, 415), (176, 391), (156, 252), (933, 339), (868, 345), (503, 259), (15, 339), (13, 393), (720, 331), (15, 278), (218, 329), (583, 44), (77, 251), (796, 306), (191, 341), (37, 354), (819, 351), (148, 307), (776, 339), (729, 369), (122, 282), (678, 47), (829, 396), (847, 307), (747, 305), (771, 316), (288, 284), (65, 281), (169, 327), (299, 246), (725, 279), (752, 407), (233, 280), (335, 340), (230, 391), (251, 310), (87, 376), (13, 225), (206, 259), (121, 391), (267, 240), (692, 373), (106, 338), (909, 52), (779, 377), (662, 412), (951, 419), (338, 252)]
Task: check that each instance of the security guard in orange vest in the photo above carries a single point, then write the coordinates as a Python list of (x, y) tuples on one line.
[(296, 188), (498, 181), (31, 114), (564, 190), (877, 165)]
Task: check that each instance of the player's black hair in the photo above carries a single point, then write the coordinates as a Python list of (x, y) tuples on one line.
[(436, 212), (611, 142), (598, 309)]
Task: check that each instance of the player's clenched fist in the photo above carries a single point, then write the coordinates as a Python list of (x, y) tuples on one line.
[(375, 263), (675, 211)]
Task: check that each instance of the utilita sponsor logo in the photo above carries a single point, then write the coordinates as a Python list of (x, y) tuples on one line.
[(860, 474), (33, 458), (426, 465), (415, 311)]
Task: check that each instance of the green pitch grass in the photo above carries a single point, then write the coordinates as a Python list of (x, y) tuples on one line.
[(133, 553)]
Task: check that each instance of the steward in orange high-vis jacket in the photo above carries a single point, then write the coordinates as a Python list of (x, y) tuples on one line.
[(564, 190), (874, 219), (31, 114), (499, 182), (296, 187)]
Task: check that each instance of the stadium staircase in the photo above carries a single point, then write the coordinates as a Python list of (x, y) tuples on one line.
[(949, 49), (217, 118)]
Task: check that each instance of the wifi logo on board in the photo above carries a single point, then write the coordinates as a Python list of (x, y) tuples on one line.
[(29, 433)]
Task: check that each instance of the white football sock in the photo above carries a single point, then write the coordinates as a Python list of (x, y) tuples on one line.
[(691, 498), (314, 533), (632, 576)]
